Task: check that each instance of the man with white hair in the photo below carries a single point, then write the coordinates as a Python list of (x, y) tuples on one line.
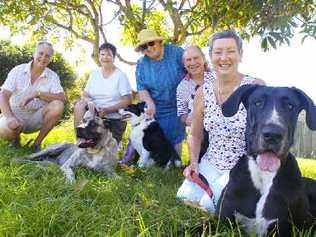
[(31, 98)]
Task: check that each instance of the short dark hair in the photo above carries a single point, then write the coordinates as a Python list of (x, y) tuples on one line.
[(108, 46), (226, 34)]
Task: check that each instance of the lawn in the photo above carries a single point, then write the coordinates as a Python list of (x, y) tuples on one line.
[(36, 200)]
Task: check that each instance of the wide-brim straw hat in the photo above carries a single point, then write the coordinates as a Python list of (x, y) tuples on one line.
[(146, 36)]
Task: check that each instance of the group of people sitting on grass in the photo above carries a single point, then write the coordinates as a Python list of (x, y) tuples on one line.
[(180, 90)]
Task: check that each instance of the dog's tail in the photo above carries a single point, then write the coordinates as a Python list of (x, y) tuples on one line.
[(42, 163), (50, 151)]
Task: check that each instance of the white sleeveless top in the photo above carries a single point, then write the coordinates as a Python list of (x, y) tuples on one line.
[(226, 134)]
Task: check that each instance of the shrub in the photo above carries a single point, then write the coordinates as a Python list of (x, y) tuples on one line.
[(11, 55)]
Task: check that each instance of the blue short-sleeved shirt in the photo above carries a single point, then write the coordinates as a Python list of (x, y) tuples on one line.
[(161, 78)]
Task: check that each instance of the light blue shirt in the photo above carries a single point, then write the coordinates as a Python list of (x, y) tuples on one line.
[(161, 78)]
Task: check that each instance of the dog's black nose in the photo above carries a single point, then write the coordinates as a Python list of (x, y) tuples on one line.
[(272, 134), (80, 131)]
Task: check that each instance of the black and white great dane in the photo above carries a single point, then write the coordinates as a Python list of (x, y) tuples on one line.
[(266, 192)]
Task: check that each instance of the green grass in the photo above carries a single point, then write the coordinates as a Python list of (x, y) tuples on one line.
[(36, 200)]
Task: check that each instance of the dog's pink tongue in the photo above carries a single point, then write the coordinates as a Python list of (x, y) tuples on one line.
[(268, 161), (85, 143)]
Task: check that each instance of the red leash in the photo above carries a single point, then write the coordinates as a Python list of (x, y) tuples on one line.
[(202, 182)]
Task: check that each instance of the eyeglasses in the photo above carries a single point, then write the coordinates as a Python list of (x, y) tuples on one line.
[(143, 47)]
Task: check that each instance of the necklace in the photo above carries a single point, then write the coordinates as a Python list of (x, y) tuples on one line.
[(221, 96)]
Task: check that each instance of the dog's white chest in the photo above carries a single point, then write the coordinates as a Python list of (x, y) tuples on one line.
[(136, 137), (263, 181)]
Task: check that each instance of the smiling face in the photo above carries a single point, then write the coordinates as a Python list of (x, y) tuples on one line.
[(155, 52), (194, 61), (106, 57), (225, 56), (42, 56)]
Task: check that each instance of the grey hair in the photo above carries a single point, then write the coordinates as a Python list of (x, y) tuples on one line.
[(46, 44), (194, 47), (226, 34)]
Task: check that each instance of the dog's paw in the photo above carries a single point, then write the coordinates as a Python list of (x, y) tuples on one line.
[(147, 164), (178, 163)]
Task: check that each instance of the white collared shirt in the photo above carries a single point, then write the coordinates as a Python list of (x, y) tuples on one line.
[(19, 83)]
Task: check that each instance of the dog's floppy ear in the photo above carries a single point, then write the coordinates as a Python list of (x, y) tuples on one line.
[(309, 106), (141, 106), (231, 105)]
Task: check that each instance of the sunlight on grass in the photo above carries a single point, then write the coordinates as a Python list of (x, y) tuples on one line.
[(37, 200)]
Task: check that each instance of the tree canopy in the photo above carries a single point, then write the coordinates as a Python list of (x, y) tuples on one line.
[(181, 21)]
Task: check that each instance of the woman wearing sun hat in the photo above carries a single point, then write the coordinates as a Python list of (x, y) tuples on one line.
[(158, 74)]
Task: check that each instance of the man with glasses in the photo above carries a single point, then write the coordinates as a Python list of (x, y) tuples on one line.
[(31, 98), (158, 74)]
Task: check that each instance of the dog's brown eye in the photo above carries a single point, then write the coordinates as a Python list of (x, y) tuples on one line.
[(290, 106), (258, 103)]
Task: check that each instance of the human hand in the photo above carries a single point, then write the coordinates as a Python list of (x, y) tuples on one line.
[(91, 107), (188, 121), (193, 167), (103, 112), (28, 98), (151, 109), (13, 123)]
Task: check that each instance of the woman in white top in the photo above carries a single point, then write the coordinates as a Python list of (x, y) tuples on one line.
[(226, 135), (107, 91)]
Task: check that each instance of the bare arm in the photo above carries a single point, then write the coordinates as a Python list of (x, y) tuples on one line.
[(5, 95), (125, 101), (196, 134), (45, 96), (4, 103), (151, 107), (48, 97)]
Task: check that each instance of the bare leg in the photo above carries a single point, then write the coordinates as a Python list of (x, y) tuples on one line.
[(52, 112), (10, 130), (79, 111)]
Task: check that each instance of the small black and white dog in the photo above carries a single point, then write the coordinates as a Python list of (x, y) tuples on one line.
[(266, 192), (148, 139)]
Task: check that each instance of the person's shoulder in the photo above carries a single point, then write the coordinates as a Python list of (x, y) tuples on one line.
[(209, 76), (173, 47), (120, 74), (95, 73), (142, 60), (254, 80), (182, 84), (21, 67), (52, 74)]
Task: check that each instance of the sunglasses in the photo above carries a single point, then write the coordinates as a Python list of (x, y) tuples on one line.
[(143, 47)]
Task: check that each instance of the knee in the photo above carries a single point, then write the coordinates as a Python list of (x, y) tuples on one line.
[(190, 191), (208, 203), (55, 108), (5, 132)]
